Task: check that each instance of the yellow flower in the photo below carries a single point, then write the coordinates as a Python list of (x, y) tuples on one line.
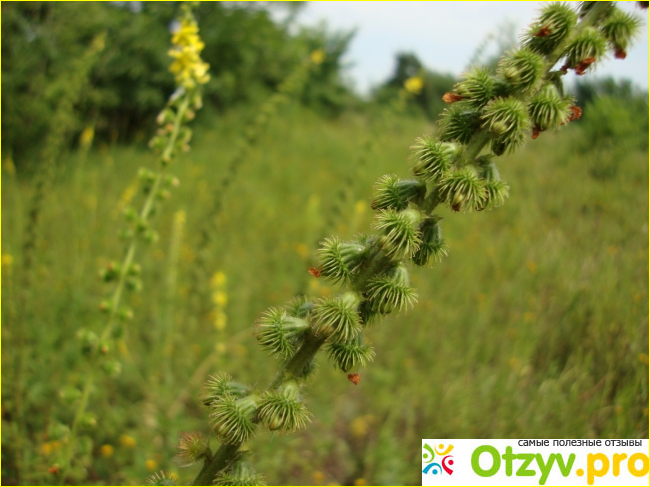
[(151, 464), (317, 56), (187, 35), (318, 477), (414, 85), (46, 449), (9, 166), (7, 260), (106, 451), (127, 441), (220, 298), (359, 427), (218, 279), (86, 137), (220, 321), (302, 250), (188, 67)]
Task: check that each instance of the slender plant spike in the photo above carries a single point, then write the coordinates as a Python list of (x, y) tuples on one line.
[(490, 114), (173, 137)]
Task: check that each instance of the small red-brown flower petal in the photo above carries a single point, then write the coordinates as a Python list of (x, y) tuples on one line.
[(536, 131), (582, 66), (314, 271), (576, 113), (354, 378), (543, 32), (450, 97), (54, 470), (620, 54)]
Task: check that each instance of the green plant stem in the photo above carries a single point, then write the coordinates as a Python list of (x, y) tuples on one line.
[(216, 463), (81, 408), (301, 359), (474, 147), (376, 260), (119, 288)]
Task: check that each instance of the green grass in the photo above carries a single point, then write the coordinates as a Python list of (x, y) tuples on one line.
[(535, 326)]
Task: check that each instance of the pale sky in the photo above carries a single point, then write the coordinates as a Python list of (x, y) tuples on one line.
[(444, 35)]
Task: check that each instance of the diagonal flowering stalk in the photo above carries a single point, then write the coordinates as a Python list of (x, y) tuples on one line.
[(490, 114), (173, 136)]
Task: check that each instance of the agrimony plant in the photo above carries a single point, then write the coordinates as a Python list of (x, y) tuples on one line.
[(490, 114), (172, 138)]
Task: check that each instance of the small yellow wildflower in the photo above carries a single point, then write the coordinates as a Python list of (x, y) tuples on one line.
[(414, 85), (151, 464), (302, 250), (127, 441), (9, 166), (220, 298), (187, 35), (106, 451), (318, 477), (7, 260), (360, 481), (50, 446), (220, 348), (359, 427), (188, 67), (360, 207), (125, 198), (220, 320), (218, 279), (317, 56), (86, 137)]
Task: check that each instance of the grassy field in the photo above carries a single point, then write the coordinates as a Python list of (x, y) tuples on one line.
[(535, 326)]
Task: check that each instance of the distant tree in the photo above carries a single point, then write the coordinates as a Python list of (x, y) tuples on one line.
[(249, 55), (429, 98)]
